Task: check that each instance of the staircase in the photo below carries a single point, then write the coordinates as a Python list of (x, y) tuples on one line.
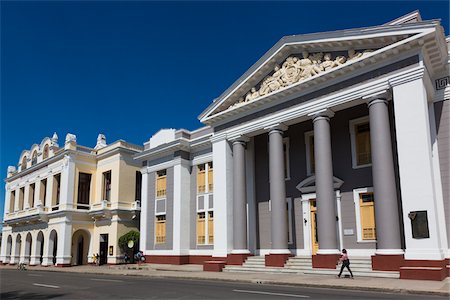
[(361, 267)]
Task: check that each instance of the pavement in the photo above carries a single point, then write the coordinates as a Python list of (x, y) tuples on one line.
[(195, 272)]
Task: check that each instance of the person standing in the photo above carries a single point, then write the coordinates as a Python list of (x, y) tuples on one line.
[(345, 263)]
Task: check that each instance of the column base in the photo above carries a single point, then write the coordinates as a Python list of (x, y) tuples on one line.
[(276, 260), (425, 269), (387, 262), (325, 261), (237, 259)]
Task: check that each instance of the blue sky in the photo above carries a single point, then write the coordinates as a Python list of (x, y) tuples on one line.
[(127, 69)]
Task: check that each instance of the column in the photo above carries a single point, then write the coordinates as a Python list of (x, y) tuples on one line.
[(181, 205), (325, 195), (48, 201), (67, 183), (385, 191), (420, 181), (279, 231), (26, 197), (37, 193), (35, 250), (223, 196), (7, 203), (64, 247), (144, 229), (17, 199), (240, 246), (4, 247)]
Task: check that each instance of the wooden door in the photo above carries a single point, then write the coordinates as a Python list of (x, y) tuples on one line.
[(314, 239)]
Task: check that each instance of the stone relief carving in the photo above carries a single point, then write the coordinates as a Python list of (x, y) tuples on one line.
[(71, 138), (295, 69)]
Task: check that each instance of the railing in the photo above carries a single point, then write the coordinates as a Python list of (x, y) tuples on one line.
[(25, 212)]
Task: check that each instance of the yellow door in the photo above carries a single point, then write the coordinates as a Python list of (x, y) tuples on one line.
[(314, 240)]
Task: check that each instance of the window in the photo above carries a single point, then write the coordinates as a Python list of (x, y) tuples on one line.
[(160, 229), (45, 152), (31, 195), (310, 162), (201, 228), (138, 187), (56, 191), (205, 204), (12, 201), (360, 142), (107, 186), (161, 184), (84, 189), (210, 177), (34, 158), (201, 179), (21, 197), (365, 214), (43, 191), (24, 163), (211, 227)]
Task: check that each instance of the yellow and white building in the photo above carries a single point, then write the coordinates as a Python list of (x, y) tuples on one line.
[(65, 204)]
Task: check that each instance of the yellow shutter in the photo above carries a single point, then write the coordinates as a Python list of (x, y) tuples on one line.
[(160, 229), (367, 212), (201, 185), (210, 178), (210, 227), (161, 184), (201, 228), (363, 153)]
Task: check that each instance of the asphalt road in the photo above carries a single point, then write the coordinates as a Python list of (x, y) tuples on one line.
[(58, 285)]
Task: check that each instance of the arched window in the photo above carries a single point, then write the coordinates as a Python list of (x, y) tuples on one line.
[(45, 153), (24, 163), (34, 158)]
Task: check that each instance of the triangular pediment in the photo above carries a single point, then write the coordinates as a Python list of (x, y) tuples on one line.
[(299, 62)]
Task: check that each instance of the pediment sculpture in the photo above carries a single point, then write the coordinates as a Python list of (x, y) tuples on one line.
[(295, 69)]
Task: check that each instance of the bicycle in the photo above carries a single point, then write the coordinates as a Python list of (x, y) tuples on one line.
[(22, 266)]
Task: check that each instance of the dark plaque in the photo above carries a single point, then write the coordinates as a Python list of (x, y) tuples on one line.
[(419, 224)]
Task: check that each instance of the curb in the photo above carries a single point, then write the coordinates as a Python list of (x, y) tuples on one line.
[(261, 282)]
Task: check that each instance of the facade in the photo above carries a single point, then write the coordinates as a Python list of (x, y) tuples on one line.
[(64, 205), (330, 140)]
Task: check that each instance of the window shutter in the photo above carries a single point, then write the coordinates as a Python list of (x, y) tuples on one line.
[(210, 227), (367, 216), (201, 228)]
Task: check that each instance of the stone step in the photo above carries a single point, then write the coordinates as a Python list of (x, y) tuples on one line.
[(376, 274)]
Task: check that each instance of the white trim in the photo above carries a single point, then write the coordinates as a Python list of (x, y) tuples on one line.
[(328, 251), (280, 251), (339, 213), (389, 252), (360, 253), (308, 135), (202, 159), (240, 251), (165, 206), (356, 193), (290, 228), (352, 124)]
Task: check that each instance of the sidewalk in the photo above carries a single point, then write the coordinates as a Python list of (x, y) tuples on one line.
[(441, 288)]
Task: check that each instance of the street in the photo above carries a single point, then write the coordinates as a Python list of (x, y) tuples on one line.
[(58, 285)]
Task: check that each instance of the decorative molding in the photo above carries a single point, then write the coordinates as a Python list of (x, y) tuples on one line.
[(442, 83), (295, 69), (276, 126)]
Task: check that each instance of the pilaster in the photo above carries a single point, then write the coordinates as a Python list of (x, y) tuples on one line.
[(181, 206), (144, 210), (67, 183)]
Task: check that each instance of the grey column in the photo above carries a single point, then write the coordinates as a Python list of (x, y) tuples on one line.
[(277, 190), (326, 200), (239, 197), (385, 192)]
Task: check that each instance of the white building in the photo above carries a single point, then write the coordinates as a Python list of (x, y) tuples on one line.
[(330, 140)]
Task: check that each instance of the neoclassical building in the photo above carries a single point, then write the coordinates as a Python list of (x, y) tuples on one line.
[(330, 140), (65, 204)]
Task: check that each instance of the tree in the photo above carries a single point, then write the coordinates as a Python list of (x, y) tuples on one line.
[(125, 239)]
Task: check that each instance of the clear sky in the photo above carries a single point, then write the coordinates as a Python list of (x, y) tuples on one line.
[(127, 69)]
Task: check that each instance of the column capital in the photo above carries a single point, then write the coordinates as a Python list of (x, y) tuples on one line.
[(242, 139), (376, 101), (321, 114), (379, 95), (276, 127)]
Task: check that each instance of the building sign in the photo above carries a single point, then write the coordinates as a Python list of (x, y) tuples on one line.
[(419, 224)]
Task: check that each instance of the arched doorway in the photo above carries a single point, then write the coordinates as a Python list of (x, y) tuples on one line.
[(80, 247), (40, 246), (53, 245), (8, 249), (18, 248), (28, 242)]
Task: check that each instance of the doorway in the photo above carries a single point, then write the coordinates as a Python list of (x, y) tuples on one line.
[(103, 249), (80, 251), (314, 237)]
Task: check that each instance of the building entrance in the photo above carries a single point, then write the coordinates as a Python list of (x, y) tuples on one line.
[(103, 249), (314, 239)]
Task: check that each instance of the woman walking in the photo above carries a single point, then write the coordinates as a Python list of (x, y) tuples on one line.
[(345, 263)]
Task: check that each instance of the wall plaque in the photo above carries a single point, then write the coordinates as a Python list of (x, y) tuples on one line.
[(419, 224)]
